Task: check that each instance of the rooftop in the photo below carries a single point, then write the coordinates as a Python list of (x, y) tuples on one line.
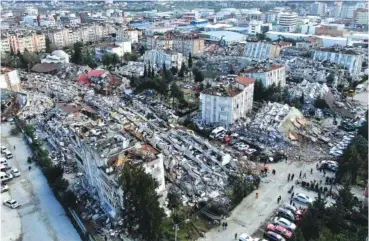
[(222, 91), (339, 50), (227, 35), (245, 80), (260, 69)]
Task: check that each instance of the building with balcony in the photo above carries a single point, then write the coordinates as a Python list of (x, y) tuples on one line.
[(349, 59), (267, 74), (158, 58), (187, 44), (226, 104), (264, 50)]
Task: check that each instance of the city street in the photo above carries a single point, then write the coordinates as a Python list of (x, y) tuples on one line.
[(40, 217), (253, 213)]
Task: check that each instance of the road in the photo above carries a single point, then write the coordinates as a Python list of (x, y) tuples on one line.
[(40, 217), (252, 213)]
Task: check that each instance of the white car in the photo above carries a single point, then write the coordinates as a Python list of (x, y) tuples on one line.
[(3, 149), (284, 223), (15, 172), (4, 188), (11, 203), (302, 198)]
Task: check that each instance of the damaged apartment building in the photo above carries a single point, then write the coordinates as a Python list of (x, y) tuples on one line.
[(100, 149)]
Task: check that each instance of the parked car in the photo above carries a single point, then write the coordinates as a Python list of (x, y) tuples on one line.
[(293, 209), (284, 223), (280, 230), (3, 150), (274, 236), (302, 198), (4, 188), (15, 172), (11, 204), (287, 214)]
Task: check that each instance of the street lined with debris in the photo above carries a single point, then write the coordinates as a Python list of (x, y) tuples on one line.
[(40, 216)]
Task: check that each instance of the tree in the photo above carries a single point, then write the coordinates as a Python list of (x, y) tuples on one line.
[(77, 57), (174, 200), (320, 103), (48, 45), (115, 59), (142, 50), (142, 213), (107, 59), (182, 70), (302, 99), (198, 75), (145, 71), (259, 90), (174, 70), (175, 92), (189, 60)]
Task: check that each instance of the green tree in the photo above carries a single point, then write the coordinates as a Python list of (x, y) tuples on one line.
[(174, 200), (198, 75), (174, 70), (189, 60), (77, 56), (145, 71), (48, 45), (115, 59), (182, 70), (259, 90), (107, 59), (143, 215), (320, 103)]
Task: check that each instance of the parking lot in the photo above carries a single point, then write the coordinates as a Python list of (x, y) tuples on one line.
[(40, 216), (252, 215)]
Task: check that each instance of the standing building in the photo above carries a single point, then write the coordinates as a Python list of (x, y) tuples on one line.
[(347, 11), (187, 44), (263, 50), (33, 42), (225, 105), (268, 75), (157, 58), (119, 48), (287, 21), (346, 58), (318, 8), (360, 18)]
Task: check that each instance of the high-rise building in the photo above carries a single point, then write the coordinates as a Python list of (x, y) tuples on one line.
[(318, 8), (287, 20)]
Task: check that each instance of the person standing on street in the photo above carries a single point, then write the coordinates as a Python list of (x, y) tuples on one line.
[(289, 176), (300, 174), (292, 177), (279, 199), (311, 171), (304, 175), (293, 194), (235, 236), (257, 195)]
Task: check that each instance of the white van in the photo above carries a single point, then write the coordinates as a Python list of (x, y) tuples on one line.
[(4, 177), (3, 161), (217, 131), (8, 155), (3, 149)]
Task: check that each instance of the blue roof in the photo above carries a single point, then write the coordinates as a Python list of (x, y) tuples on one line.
[(228, 35)]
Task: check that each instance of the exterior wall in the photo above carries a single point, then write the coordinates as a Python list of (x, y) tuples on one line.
[(157, 58), (268, 78), (329, 32), (133, 34), (350, 62), (5, 45), (187, 46), (226, 110), (33, 42), (156, 169), (260, 50), (361, 17)]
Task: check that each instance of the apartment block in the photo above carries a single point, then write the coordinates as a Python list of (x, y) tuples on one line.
[(347, 58), (33, 42), (268, 75), (188, 44), (263, 50), (159, 57), (225, 105)]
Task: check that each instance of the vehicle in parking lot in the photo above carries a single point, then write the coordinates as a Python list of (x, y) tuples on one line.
[(4, 177), (280, 230), (3, 149), (8, 154), (11, 204), (284, 223), (15, 172), (4, 188), (287, 214), (302, 198), (329, 165), (274, 236), (293, 209)]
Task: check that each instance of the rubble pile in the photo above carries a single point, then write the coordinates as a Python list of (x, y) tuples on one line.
[(310, 91), (308, 69)]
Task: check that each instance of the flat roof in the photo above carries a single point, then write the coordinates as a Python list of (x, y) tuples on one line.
[(222, 92), (228, 35), (261, 69)]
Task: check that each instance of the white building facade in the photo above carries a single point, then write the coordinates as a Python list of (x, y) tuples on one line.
[(157, 58), (229, 106), (348, 59), (274, 74), (258, 50), (287, 21)]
